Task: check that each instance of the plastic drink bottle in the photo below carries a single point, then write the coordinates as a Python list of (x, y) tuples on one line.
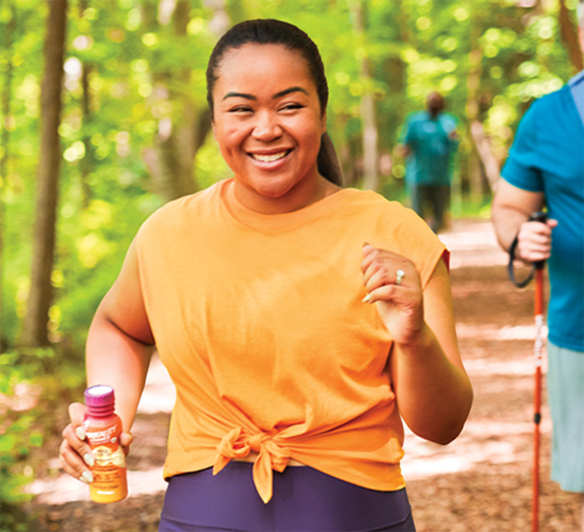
[(103, 428)]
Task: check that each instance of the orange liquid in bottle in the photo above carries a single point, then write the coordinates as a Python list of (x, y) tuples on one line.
[(103, 428)]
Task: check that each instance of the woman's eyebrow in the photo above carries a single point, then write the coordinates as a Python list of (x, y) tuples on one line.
[(288, 91), (274, 97), (239, 95)]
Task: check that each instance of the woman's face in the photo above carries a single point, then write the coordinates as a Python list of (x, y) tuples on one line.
[(268, 123)]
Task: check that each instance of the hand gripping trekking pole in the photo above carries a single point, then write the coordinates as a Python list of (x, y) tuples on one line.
[(535, 217), (539, 322)]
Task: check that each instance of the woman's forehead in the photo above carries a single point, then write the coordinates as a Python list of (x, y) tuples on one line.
[(258, 59)]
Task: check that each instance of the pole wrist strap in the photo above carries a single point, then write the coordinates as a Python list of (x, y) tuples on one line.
[(511, 271)]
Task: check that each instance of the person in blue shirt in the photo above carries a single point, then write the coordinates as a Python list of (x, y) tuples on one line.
[(546, 167), (429, 140)]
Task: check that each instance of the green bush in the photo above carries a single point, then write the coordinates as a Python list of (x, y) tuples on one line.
[(20, 431)]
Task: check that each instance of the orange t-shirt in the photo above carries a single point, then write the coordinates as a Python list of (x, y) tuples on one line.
[(260, 323)]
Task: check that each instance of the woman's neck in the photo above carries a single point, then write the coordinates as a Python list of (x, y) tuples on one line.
[(299, 197)]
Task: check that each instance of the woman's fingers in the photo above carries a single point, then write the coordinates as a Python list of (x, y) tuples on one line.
[(75, 453), (383, 268), (126, 439), (73, 464), (393, 282), (80, 447), (371, 254), (406, 296), (391, 276), (382, 293), (77, 413)]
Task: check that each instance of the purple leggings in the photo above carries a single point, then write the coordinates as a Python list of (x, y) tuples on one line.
[(304, 500)]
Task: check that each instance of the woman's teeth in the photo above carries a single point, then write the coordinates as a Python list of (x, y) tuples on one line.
[(269, 158)]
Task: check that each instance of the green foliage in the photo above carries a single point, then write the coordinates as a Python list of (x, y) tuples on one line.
[(32, 382), (18, 432)]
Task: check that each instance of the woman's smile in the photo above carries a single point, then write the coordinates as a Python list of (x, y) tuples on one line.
[(269, 157)]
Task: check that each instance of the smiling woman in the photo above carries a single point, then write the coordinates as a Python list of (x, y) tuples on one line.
[(293, 316)]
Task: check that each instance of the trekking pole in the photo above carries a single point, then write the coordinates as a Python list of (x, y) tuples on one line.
[(539, 321), (538, 316)]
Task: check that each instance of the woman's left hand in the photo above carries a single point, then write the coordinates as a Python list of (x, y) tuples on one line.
[(398, 296)]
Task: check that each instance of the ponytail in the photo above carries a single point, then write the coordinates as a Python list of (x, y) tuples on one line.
[(327, 161)]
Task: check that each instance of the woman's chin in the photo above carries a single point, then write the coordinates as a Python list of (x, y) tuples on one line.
[(273, 193), (272, 190)]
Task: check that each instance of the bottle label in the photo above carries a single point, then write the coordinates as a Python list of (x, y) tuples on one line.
[(104, 456), (109, 470), (108, 435)]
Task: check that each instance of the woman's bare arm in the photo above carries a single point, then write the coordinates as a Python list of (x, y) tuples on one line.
[(434, 393), (118, 352), (120, 342)]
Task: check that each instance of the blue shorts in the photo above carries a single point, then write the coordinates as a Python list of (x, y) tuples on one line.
[(304, 500), (566, 399)]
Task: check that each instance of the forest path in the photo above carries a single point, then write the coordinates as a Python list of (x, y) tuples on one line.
[(481, 482)]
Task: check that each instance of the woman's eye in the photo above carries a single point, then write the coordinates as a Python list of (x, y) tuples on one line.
[(240, 110), (291, 107)]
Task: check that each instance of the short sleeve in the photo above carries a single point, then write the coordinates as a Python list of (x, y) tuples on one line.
[(521, 169), (421, 245), (411, 237)]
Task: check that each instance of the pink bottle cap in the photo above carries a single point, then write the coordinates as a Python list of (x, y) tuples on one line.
[(99, 395)]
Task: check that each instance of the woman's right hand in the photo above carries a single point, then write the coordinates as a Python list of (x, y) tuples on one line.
[(75, 453)]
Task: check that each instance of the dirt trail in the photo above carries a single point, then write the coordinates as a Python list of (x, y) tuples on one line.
[(480, 482)]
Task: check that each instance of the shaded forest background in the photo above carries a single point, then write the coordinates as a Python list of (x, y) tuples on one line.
[(104, 119)]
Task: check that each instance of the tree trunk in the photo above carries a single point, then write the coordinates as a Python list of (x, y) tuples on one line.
[(483, 146), (370, 174), (171, 160), (570, 37), (40, 297), (86, 164), (5, 139), (475, 184), (174, 149)]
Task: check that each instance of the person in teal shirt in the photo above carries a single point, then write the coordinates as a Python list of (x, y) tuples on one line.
[(546, 167), (429, 141)]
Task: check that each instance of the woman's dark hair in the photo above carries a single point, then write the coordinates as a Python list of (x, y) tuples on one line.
[(271, 31)]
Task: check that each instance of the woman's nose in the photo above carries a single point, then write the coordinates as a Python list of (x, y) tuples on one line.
[(266, 127)]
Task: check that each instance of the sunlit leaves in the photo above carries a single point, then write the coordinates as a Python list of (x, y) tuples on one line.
[(448, 44), (461, 14), (74, 152), (92, 248), (423, 23)]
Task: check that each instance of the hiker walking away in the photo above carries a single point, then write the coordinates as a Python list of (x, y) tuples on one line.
[(429, 141), (546, 167)]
